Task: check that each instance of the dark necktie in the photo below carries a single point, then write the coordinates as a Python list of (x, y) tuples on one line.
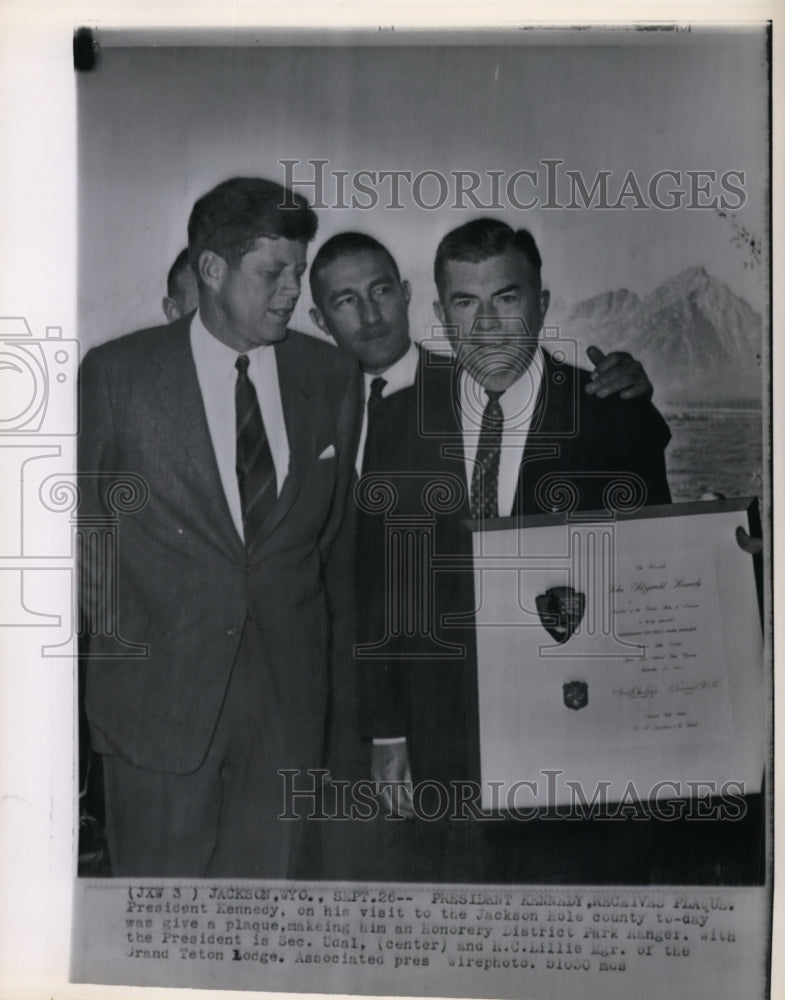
[(373, 454), (485, 478), (254, 461)]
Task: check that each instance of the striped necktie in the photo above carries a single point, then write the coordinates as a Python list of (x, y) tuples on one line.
[(485, 478), (254, 459)]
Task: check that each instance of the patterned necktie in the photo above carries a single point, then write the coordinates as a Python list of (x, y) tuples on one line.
[(254, 459), (485, 478), (373, 459)]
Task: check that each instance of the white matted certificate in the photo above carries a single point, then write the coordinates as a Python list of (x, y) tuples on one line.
[(619, 656)]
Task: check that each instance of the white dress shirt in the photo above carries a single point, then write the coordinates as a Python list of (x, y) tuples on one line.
[(217, 377), (518, 404), (400, 375)]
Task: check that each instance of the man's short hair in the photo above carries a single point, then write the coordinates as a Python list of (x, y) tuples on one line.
[(480, 240), (229, 219), (181, 265), (342, 245)]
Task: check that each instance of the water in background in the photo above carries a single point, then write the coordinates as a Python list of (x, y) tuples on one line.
[(714, 449)]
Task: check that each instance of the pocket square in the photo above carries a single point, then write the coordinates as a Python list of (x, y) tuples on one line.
[(329, 452)]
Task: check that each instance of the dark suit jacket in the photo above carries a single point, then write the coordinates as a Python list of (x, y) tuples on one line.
[(182, 583), (578, 445)]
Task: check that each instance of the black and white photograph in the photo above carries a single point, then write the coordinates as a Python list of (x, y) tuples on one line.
[(406, 477)]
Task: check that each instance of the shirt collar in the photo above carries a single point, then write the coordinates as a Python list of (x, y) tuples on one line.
[(517, 402), (213, 349), (400, 375)]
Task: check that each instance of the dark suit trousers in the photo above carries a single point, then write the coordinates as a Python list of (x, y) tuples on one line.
[(221, 820)]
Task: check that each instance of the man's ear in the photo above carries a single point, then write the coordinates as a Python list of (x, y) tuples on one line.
[(318, 319), (407, 291), (545, 301), (212, 269), (171, 309), (440, 315)]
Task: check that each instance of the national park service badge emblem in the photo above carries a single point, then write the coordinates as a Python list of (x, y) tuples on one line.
[(561, 610), (576, 694)]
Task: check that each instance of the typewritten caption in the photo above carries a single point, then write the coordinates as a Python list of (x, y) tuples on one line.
[(408, 939)]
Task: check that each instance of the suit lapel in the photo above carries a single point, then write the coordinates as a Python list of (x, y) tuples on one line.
[(551, 432), (553, 410), (438, 396), (350, 421), (178, 388)]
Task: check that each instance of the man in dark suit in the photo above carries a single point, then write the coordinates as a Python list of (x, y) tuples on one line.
[(418, 677), (207, 656)]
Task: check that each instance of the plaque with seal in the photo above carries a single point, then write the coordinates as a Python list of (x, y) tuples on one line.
[(619, 652)]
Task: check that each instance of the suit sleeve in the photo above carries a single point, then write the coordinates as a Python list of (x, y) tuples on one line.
[(94, 459), (381, 715), (643, 437)]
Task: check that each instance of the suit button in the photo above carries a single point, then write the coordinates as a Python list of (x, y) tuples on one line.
[(232, 631), (247, 567)]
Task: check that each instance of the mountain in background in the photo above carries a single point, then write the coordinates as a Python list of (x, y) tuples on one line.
[(697, 340)]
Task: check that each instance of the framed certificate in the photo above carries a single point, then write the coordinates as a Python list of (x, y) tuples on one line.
[(620, 656)]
